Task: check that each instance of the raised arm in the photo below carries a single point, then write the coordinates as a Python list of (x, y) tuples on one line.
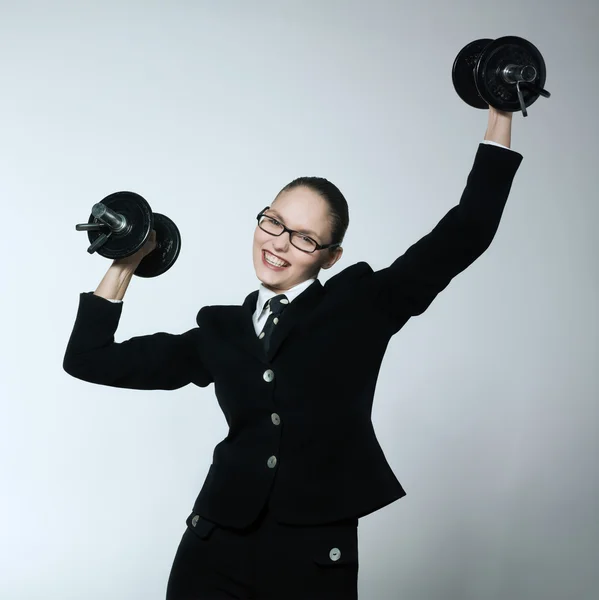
[(409, 285), (161, 361)]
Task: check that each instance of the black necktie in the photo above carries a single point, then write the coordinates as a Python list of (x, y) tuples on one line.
[(277, 305)]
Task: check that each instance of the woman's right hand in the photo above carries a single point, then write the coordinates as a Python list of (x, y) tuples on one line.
[(136, 258)]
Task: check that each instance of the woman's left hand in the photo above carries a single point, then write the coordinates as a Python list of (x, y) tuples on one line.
[(500, 113)]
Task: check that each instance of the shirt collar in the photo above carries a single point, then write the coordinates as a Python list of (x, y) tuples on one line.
[(265, 294)]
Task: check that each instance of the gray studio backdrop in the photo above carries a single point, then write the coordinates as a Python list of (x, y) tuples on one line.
[(486, 405)]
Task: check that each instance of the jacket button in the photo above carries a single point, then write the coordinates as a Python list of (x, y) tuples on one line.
[(335, 554), (275, 320), (268, 375), (275, 418), (194, 521), (272, 461)]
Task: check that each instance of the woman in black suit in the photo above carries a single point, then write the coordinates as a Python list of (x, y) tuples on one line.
[(294, 368)]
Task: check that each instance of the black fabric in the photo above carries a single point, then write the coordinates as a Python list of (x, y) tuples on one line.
[(265, 561), (307, 400), (277, 305)]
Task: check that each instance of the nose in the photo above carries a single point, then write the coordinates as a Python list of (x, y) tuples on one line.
[(281, 242)]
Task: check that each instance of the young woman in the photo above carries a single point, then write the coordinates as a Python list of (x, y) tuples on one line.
[(294, 369)]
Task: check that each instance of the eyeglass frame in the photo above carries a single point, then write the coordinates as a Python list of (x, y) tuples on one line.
[(291, 231)]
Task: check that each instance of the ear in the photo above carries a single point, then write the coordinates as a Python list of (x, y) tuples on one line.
[(333, 258)]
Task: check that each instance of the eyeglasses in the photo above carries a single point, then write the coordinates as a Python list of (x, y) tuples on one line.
[(300, 240)]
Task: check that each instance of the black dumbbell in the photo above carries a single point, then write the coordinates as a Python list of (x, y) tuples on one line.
[(507, 73), (120, 225)]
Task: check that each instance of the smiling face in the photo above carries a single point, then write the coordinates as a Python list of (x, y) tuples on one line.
[(301, 209)]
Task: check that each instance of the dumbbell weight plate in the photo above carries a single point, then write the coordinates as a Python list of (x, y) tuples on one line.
[(168, 246), (500, 53), (138, 214), (462, 73)]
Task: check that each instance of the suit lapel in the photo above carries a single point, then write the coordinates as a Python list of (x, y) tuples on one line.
[(237, 321), (293, 314)]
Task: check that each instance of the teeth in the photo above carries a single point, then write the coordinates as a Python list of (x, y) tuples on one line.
[(274, 261)]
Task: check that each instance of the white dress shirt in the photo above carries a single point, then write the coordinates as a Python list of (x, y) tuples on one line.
[(261, 313), (264, 294)]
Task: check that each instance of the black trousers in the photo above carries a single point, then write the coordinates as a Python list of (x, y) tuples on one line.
[(266, 561)]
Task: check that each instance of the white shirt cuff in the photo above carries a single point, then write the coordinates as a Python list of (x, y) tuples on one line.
[(495, 144)]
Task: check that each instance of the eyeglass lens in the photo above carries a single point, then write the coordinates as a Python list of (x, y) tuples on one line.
[(273, 227)]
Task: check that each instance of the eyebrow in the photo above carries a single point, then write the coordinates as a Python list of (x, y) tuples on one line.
[(308, 231)]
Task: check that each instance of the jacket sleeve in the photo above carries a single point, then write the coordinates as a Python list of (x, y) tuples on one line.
[(161, 361), (409, 285)]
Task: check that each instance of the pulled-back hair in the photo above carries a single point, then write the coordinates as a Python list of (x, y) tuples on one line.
[(338, 209)]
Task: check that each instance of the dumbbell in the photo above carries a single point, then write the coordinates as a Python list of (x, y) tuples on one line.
[(120, 225), (507, 73)]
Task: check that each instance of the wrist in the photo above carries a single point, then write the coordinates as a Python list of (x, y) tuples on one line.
[(123, 271), (126, 264), (499, 128)]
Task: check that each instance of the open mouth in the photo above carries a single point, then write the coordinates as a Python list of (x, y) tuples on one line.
[(271, 261)]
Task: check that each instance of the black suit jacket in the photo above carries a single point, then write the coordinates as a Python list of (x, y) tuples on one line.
[(300, 432)]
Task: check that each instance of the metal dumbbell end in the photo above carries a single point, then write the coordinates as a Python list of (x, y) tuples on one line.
[(111, 223), (516, 73), (523, 75), (116, 222)]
